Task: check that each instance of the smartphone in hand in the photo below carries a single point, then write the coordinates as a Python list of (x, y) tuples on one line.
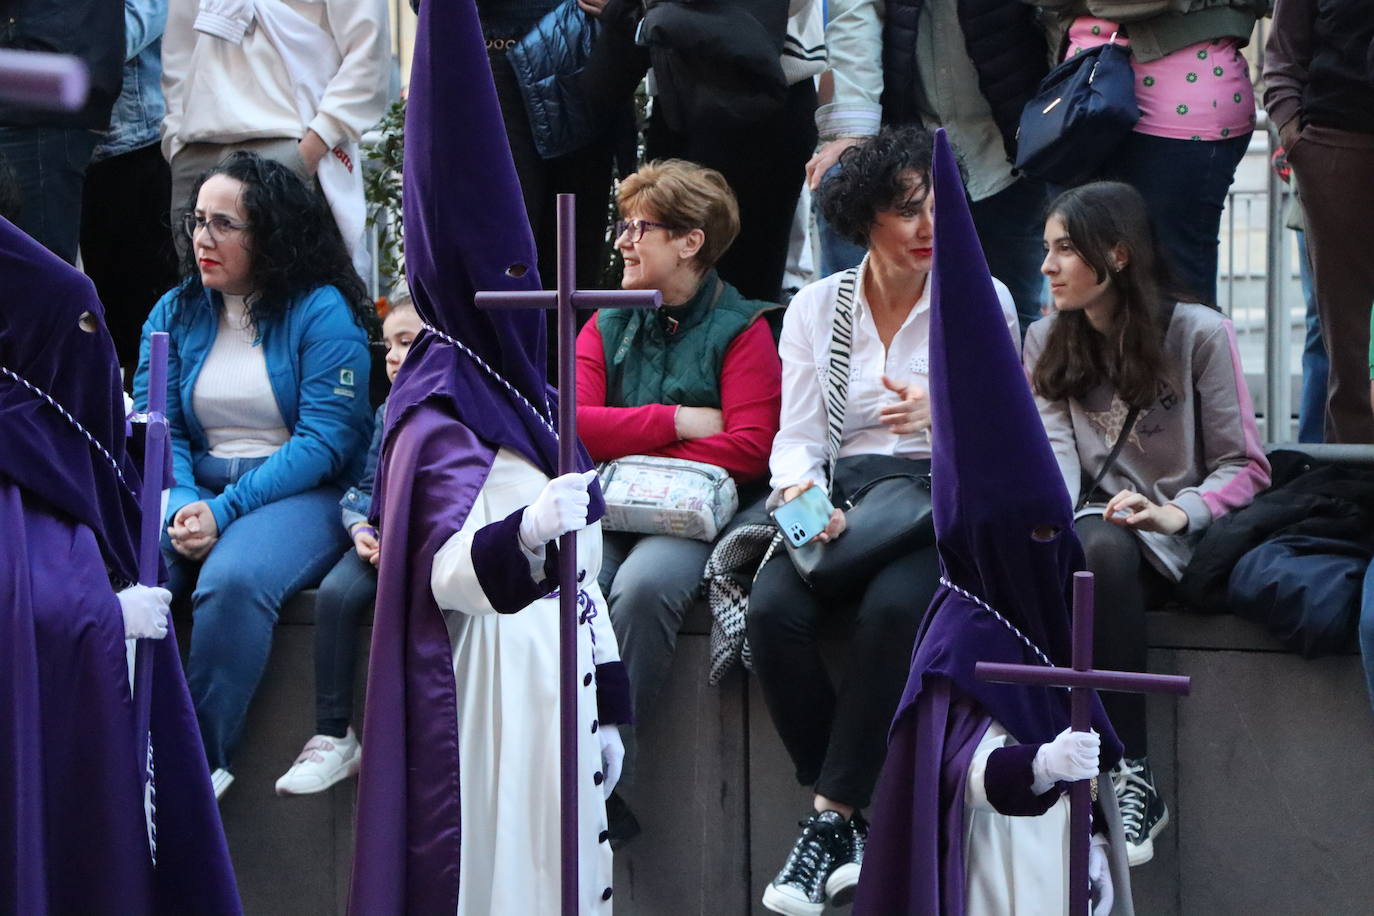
[(804, 516)]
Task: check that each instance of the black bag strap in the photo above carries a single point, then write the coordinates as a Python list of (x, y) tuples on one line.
[(1111, 459), (1126, 428), (837, 378)]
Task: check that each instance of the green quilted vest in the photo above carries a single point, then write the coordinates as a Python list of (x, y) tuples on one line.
[(674, 355)]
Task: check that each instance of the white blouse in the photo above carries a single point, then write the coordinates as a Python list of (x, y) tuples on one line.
[(799, 450)]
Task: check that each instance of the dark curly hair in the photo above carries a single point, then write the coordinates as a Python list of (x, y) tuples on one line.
[(869, 179), (295, 243)]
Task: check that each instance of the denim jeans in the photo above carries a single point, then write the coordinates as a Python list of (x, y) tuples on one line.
[(1315, 364), (1011, 228), (260, 561), (1367, 631), (49, 166), (1184, 183), (345, 595)]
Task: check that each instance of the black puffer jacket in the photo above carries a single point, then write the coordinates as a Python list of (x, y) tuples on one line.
[(1003, 40), (1307, 498)]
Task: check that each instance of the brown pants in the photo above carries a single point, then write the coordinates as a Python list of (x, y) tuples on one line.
[(1335, 169)]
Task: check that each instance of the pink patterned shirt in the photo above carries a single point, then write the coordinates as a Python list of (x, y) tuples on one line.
[(1200, 92)]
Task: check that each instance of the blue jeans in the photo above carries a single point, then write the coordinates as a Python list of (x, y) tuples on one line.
[(345, 596), (1184, 183), (1367, 631), (49, 165), (260, 561), (1315, 364), (1011, 227)]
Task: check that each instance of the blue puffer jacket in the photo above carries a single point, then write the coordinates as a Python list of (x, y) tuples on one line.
[(547, 62), (317, 362)]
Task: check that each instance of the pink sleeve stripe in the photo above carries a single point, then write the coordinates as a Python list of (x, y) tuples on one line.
[(1242, 489)]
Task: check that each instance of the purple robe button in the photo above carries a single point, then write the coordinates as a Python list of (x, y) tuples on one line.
[(606, 894), (587, 680), (594, 726), (603, 836), (598, 777)]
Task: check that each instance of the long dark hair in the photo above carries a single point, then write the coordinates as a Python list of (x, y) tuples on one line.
[(1100, 218), (295, 243)]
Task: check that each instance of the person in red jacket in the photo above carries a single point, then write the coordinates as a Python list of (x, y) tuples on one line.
[(697, 379)]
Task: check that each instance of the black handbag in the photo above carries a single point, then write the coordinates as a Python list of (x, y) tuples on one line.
[(886, 503), (1082, 111), (885, 498)]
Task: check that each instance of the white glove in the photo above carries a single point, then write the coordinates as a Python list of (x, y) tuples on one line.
[(146, 610), (612, 757), (1071, 756), (1100, 875), (560, 507)]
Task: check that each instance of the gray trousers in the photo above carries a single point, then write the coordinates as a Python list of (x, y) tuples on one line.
[(650, 582)]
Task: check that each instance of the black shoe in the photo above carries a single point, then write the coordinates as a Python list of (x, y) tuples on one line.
[(842, 881), (621, 825), (799, 889), (1143, 812)]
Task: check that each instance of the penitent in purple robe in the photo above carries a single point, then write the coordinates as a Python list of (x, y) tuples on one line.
[(994, 482), (73, 835), (472, 385)]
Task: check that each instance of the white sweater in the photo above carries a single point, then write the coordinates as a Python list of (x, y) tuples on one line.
[(219, 90)]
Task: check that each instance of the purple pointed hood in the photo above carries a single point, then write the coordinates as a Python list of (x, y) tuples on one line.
[(466, 230), (61, 405), (1003, 520)]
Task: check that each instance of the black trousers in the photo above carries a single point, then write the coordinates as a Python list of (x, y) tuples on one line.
[(1125, 585), (765, 165), (126, 243), (837, 737)]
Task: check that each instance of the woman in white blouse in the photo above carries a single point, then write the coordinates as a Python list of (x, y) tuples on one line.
[(836, 737)]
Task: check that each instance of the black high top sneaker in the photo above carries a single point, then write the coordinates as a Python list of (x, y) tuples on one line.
[(799, 889), (1143, 812), (839, 887)]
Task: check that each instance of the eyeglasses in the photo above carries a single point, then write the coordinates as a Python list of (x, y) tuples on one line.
[(637, 227), (219, 227)]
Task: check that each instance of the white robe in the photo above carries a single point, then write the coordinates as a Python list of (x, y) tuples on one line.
[(1019, 866), (506, 670)]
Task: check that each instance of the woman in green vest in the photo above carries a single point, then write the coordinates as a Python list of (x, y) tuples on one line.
[(698, 379)]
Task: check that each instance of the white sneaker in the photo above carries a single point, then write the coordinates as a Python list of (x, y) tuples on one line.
[(220, 780), (322, 762)]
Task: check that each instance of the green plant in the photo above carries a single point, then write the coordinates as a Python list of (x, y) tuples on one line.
[(382, 190)]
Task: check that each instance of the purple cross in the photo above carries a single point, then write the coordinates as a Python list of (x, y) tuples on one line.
[(1081, 680), (150, 536), (567, 299), (43, 81)]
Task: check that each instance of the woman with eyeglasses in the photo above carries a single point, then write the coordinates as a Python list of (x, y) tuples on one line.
[(697, 379), (268, 408)]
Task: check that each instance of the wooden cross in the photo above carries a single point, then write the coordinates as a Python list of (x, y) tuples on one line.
[(44, 81), (567, 299), (150, 538), (1082, 679)]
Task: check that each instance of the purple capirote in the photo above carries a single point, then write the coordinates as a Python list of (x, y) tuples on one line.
[(1004, 530), (71, 787)]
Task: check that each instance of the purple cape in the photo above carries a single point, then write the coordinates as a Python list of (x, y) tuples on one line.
[(71, 795), (994, 481)]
